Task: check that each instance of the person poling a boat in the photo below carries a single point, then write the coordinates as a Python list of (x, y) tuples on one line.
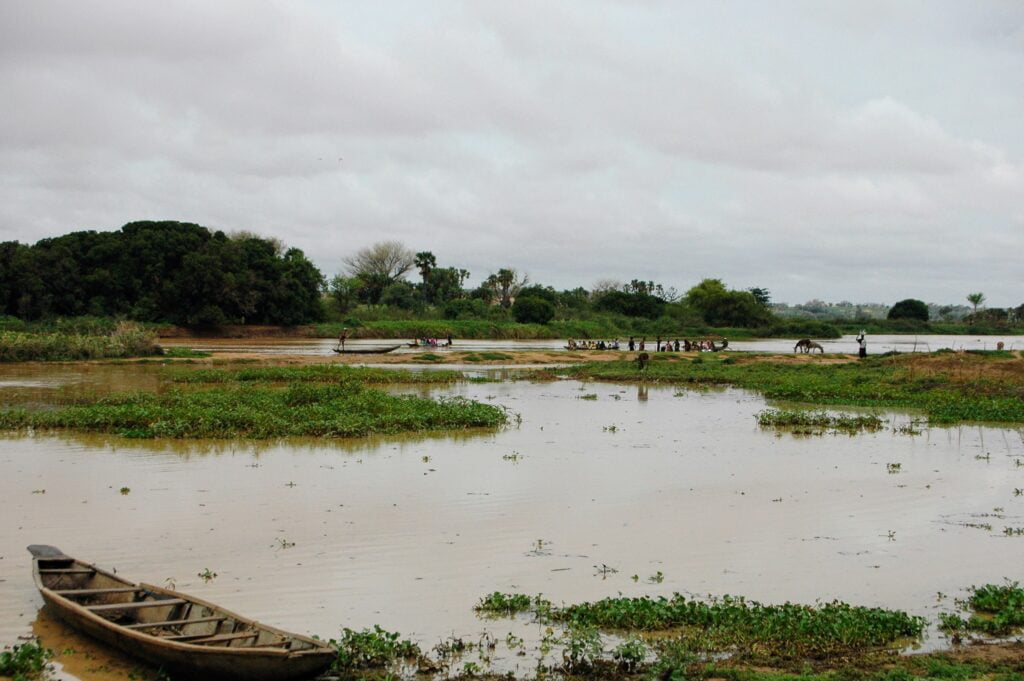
[(342, 337)]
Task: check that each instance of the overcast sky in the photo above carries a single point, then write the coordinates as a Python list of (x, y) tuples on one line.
[(863, 151)]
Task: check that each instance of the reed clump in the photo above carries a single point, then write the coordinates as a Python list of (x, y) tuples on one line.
[(125, 340)]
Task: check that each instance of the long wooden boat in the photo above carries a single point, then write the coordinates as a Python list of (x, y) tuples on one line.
[(366, 350), (170, 629)]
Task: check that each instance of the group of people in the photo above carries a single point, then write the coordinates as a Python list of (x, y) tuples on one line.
[(686, 345), (593, 344), (433, 342), (633, 345)]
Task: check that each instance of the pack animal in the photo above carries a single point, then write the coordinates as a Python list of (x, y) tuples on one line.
[(642, 360)]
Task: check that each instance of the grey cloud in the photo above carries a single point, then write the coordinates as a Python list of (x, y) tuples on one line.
[(845, 151)]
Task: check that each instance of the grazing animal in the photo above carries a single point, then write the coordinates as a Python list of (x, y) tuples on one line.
[(803, 345), (812, 346), (641, 361), (1000, 345)]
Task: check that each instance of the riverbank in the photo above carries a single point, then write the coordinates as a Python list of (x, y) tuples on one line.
[(947, 386)]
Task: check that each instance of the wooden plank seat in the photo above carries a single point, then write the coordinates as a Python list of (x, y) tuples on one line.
[(173, 623), (66, 571), (134, 605), (204, 639), (96, 592)]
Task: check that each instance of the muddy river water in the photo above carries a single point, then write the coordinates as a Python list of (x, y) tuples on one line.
[(583, 494)]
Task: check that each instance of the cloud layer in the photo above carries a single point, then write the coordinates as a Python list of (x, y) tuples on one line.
[(861, 151)]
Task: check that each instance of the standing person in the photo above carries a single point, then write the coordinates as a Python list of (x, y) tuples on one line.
[(677, 345), (449, 339), (862, 345), (342, 337), (632, 344)]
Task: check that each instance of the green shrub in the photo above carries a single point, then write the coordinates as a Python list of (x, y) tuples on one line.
[(533, 311)]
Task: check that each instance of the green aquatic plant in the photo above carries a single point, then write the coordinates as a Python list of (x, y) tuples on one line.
[(24, 661), (258, 412), (995, 609), (503, 605), (735, 624), (789, 418), (371, 648), (207, 575)]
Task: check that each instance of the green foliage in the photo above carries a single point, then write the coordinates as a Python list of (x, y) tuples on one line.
[(797, 418), (731, 623), (371, 648), (260, 411), (875, 382), (582, 647), (499, 604), (24, 661), (996, 610), (639, 304), (533, 311), (722, 307), (167, 271), (402, 295), (909, 309), (126, 340)]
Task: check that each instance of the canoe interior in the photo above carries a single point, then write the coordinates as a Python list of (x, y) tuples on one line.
[(138, 607)]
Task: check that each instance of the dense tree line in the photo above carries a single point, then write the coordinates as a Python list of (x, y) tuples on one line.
[(173, 272)]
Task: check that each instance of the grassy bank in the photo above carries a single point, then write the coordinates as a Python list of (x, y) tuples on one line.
[(948, 387), (125, 340), (259, 412)]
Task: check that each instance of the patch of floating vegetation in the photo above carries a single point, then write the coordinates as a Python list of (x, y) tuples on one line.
[(949, 388), (313, 373), (260, 411), (995, 610), (816, 421), (732, 624)]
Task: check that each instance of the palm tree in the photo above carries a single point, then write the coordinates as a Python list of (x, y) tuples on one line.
[(976, 299)]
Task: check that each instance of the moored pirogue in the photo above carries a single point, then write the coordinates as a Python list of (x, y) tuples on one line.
[(170, 629)]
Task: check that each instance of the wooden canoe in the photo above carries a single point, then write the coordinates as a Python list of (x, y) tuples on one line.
[(169, 629), (366, 350)]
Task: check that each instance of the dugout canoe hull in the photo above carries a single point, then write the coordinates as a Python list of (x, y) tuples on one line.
[(169, 629)]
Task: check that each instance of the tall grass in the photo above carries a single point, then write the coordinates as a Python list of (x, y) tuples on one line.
[(126, 339)]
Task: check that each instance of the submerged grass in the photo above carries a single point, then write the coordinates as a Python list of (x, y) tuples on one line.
[(260, 411), (948, 391)]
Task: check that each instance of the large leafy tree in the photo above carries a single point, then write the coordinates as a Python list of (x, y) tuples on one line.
[(909, 308), (161, 271), (504, 285)]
